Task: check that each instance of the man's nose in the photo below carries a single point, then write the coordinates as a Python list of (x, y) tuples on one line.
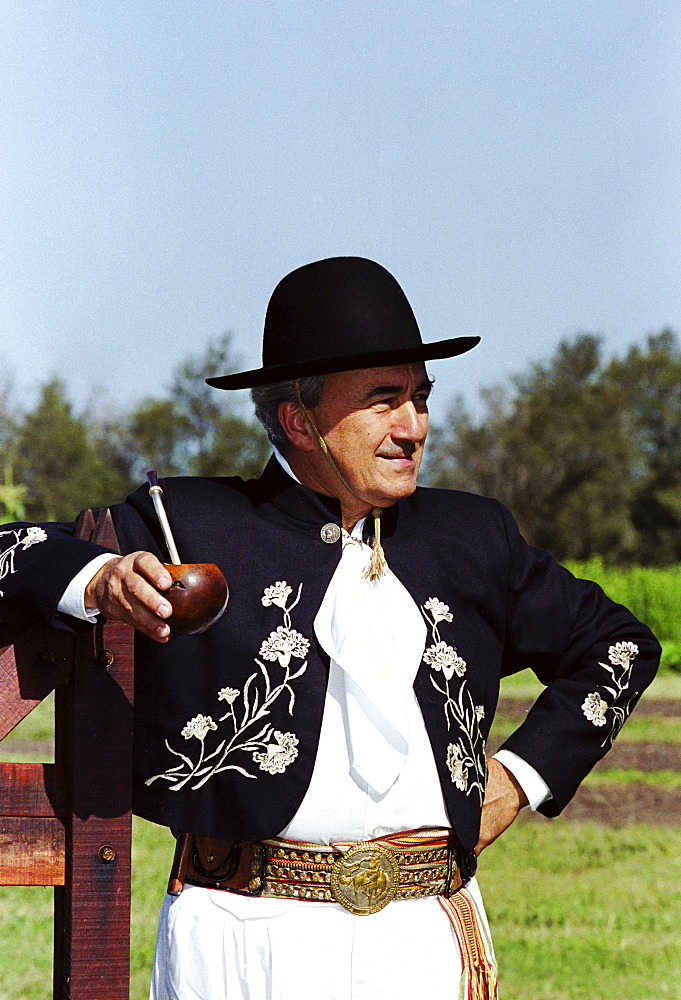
[(408, 424)]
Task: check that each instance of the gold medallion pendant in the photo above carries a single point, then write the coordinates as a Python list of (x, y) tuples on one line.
[(365, 878)]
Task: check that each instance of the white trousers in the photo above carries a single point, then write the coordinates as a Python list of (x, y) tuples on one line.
[(215, 945)]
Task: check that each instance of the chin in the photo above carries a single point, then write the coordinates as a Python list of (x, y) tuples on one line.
[(396, 491)]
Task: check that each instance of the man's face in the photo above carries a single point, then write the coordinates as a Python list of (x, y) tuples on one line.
[(375, 423)]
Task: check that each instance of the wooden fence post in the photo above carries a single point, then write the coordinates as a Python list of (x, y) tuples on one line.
[(70, 822)]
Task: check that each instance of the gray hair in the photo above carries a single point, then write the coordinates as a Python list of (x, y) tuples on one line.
[(268, 397)]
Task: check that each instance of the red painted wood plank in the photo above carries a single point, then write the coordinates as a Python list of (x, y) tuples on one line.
[(32, 790), (38, 661), (31, 851)]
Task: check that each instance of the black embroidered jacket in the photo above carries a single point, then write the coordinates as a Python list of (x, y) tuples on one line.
[(227, 722)]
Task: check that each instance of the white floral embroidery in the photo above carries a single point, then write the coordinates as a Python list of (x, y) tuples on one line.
[(32, 536), (271, 749), (277, 594), (445, 658), (465, 759), (623, 653), (278, 755), (198, 726), (283, 644), (596, 708), (458, 766), (438, 609)]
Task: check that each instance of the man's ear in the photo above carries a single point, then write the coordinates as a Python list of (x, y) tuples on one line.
[(295, 426)]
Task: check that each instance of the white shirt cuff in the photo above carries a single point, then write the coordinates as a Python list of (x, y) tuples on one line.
[(531, 782), (73, 599)]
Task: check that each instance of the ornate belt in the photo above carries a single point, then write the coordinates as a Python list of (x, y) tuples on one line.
[(363, 877)]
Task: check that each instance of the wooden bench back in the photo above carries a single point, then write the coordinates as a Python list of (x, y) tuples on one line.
[(68, 824)]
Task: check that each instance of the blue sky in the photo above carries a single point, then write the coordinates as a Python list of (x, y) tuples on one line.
[(515, 164)]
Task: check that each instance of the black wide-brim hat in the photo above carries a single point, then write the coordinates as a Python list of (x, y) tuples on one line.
[(337, 315)]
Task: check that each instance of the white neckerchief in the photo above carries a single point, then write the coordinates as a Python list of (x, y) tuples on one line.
[(374, 632)]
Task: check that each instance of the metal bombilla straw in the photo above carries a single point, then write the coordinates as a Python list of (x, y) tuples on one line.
[(155, 493)]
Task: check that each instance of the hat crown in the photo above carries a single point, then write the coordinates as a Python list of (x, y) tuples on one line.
[(335, 315), (337, 306)]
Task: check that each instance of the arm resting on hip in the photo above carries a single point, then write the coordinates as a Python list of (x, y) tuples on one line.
[(504, 798)]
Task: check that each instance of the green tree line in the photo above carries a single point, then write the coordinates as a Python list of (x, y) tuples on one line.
[(584, 449), (54, 461)]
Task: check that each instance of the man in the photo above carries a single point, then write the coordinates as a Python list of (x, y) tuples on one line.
[(323, 745)]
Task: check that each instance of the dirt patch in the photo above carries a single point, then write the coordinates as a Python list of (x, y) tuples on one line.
[(669, 708), (29, 750), (636, 756), (648, 708), (642, 757), (619, 805)]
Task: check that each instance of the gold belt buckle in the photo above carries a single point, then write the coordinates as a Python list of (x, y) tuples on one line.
[(365, 878)]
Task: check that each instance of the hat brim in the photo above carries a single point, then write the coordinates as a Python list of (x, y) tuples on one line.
[(349, 362)]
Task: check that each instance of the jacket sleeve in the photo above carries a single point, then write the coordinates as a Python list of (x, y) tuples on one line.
[(593, 655), (37, 561)]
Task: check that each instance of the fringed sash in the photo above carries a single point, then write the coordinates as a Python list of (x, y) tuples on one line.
[(479, 975)]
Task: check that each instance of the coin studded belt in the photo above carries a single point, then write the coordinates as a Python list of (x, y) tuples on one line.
[(363, 877)]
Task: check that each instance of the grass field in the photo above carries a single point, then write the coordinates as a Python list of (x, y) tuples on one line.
[(579, 910), (652, 593), (585, 912)]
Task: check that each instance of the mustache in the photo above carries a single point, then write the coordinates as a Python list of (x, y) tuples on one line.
[(406, 451)]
